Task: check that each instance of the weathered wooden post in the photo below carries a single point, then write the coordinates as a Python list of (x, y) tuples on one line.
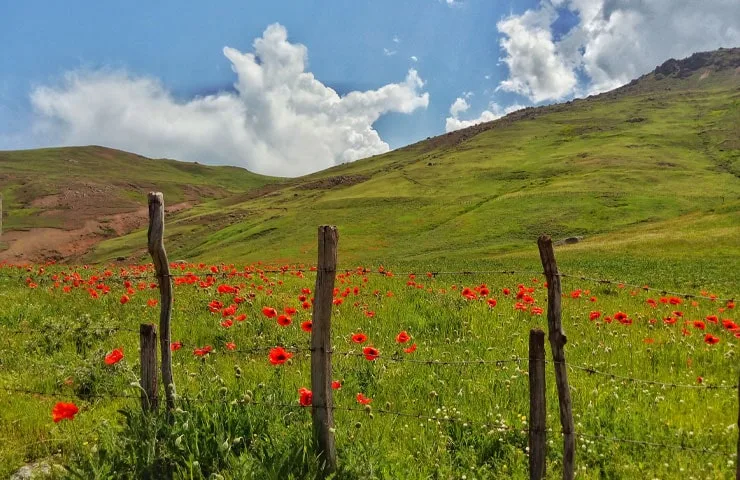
[(737, 458), (155, 238), (321, 374), (537, 405), (149, 377), (557, 341)]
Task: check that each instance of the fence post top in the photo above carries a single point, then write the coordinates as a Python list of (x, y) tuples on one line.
[(155, 197)]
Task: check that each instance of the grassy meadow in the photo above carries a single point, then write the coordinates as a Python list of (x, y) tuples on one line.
[(238, 415)]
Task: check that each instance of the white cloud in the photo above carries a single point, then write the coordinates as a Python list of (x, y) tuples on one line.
[(396, 39), (536, 69), (280, 121), (389, 53), (613, 42), (414, 58), (461, 105)]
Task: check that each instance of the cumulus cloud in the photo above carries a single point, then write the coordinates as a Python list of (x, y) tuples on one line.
[(613, 42), (414, 58), (280, 121), (461, 105), (389, 53), (536, 69)]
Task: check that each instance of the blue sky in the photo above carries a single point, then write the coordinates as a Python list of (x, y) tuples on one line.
[(351, 46)]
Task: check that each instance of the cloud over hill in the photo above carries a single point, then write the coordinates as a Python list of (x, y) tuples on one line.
[(280, 121)]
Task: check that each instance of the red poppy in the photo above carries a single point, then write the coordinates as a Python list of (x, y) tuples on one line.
[(231, 345), (284, 320), (536, 310), (152, 302), (710, 339), (649, 340), (403, 337), (306, 305), (363, 400), (289, 310), (699, 324), (670, 320), (338, 301), (241, 317), (359, 338), (269, 312), (492, 302), (125, 299), (201, 352), (227, 323), (712, 318), (729, 324), (506, 291), (175, 346), (620, 316), (278, 356), (699, 379), (306, 326), (305, 397), (64, 411), (594, 315), (114, 357), (336, 385), (371, 353), (411, 349)]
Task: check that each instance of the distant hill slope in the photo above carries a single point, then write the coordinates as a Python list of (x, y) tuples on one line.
[(59, 202), (649, 170)]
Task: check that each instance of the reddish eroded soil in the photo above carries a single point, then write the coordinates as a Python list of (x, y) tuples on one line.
[(41, 244)]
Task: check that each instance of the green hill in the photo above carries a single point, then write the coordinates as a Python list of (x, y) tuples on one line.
[(648, 170), (59, 202)]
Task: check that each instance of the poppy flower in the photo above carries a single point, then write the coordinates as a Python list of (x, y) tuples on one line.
[(269, 312), (403, 337), (492, 302), (241, 317), (411, 349), (152, 302), (175, 346), (710, 339), (284, 320), (64, 411), (371, 353), (620, 316), (363, 400), (338, 301), (231, 345), (336, 385), (712, 318), (278, 356), (699, 324), (306, 305), (289, 310), (729, 324), (506, 291), (306, 326), (201, 352), (305, 397), (536, 310), (699, 379), (359, 338), (125, 299), (594, 315), (227, 323), (114, 357)]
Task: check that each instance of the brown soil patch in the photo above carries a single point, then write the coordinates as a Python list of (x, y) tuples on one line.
[(40, 244)]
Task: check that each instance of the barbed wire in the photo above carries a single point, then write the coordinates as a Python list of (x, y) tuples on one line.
[(593, 371), (646, 443), (662, 291), (399, 359), (502, 427), (28, 391)]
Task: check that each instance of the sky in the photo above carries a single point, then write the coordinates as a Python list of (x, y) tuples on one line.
[(289, 87)]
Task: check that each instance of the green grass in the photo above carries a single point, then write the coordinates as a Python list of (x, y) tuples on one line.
[(242, 425)]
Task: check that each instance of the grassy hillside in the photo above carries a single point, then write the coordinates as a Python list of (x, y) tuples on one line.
[(650, 171), (29, 175)]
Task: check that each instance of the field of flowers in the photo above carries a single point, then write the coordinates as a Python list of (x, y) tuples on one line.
[(430, 374)]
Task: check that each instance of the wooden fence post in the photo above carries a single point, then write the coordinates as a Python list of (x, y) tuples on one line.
[(557, 341), (737, 458), (155, 238), (321, 373), (149, 377), (537, 405)]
